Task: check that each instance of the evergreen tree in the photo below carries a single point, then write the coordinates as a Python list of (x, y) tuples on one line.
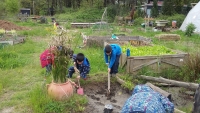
[(154, 10), (178, 4), (168, 8)]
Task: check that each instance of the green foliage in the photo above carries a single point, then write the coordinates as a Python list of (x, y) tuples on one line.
[(15, 56), (129, 81), (12, 6), (92, 3), (95, 58), (178, 4), (40, 102), (2, 9), (154, 10), (179, 18), (138, 21), (11, 60), (169, 73), (190, 29), (83, 15), (147, 50), (60, 49), (140, 12), (190, 69), (111, 12), (168, 8), (1, 88)]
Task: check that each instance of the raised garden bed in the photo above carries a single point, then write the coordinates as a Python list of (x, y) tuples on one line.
[(168, 37), (10, 39), (155, 57), (133, 64), (81, 25), (101, 41)]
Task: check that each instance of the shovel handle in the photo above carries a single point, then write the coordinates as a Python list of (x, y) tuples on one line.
[(79, 84), (108, 81)]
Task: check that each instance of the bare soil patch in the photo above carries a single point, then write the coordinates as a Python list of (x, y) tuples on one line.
[(11, 26), (98, 98)]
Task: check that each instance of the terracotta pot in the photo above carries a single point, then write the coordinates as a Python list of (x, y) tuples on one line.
[(60, 91), (173, 23)]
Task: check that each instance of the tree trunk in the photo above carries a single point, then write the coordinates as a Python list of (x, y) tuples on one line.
[(192, 86)]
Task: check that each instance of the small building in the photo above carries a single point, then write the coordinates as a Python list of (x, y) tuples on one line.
[(25, 11), (149, 4)]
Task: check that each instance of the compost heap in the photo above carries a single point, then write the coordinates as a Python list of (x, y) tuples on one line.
[(6, 25)]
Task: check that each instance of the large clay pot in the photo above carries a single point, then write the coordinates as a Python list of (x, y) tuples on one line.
[(173, 23), (60, 91)]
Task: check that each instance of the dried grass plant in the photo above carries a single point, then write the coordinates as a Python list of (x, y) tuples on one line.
[(60, 47)]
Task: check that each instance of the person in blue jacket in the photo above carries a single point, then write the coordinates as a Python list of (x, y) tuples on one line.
[(81, 65), (114, 51)]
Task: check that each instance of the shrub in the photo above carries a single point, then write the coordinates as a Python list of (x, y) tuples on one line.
[(138, 21), (179, 18), (190, 29), (191, 68)]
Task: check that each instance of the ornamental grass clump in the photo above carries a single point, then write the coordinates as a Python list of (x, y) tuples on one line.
[(60, 49), (191, 68)]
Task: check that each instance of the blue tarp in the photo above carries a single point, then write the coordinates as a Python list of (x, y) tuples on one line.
[(146, 100)]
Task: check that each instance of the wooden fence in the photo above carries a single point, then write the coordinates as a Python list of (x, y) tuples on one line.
[(133, 64)]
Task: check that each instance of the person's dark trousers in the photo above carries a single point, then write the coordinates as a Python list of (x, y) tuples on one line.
[(48, 69), (71, 71), (114, 68)]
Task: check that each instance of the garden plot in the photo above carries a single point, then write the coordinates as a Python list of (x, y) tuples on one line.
[(96, 93), (10, 39), (97, 96), (8, 33), (6, 25), (101, 41)]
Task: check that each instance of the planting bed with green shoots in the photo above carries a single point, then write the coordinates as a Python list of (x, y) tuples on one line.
[(147, 50)]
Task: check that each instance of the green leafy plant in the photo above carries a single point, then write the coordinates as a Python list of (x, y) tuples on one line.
[(129, 85), (128, 82), (154, 11), (60, 49), (190, 29), (147, 50)]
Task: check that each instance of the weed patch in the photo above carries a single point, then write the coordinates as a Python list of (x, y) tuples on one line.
[(42, 103)]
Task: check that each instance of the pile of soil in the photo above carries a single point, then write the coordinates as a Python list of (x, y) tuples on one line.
[(10, 26)]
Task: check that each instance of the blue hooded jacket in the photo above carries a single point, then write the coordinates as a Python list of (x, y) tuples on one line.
[(84, 68), (116, 50)]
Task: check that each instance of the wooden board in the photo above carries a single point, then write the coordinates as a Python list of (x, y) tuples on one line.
[(156, 63)]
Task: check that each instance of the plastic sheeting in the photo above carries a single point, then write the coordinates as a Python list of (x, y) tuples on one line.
[(192, 17), (146, 100)]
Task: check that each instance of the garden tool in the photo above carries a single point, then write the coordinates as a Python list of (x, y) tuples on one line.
[(108, 90), (79, 90)]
